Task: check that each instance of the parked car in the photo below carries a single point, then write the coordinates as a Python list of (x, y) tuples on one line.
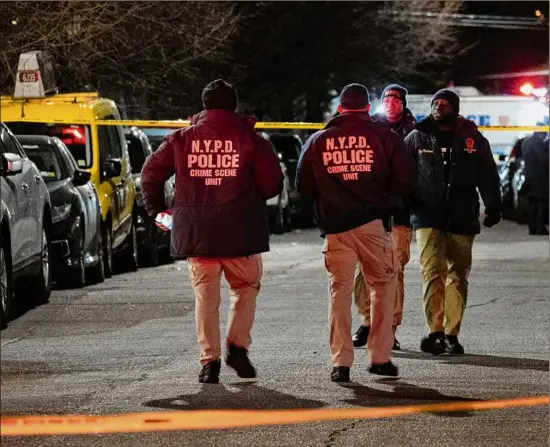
[(156, 136), (25, 228), (152, 241), (509, 181), (77, 249), (278, 207), (289, 146), (520, 189)]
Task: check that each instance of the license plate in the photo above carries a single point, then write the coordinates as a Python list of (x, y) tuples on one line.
[(29, 76)]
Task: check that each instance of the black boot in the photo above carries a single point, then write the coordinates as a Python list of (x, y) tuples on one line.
[(361, 336), (340, 374), (384, 369), (433, 343), (210, 372), (238, 360), (452, 346)]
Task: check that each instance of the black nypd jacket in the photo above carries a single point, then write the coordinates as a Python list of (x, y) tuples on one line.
[(355, 169), (402, 211), (453, 206), (224, 173)]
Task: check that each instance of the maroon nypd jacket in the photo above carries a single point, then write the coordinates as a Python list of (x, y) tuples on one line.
[(224, 172), (355, 169)]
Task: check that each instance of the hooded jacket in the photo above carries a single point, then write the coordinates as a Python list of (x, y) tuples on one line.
[(355, 170), (225, 172), (453, 205)]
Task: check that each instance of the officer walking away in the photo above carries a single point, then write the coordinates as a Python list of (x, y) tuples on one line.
[(397, 116), (535, 156), (354, 169), (224, 173), (453, 159)]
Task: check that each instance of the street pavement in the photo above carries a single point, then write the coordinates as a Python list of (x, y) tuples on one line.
[(129, 345)]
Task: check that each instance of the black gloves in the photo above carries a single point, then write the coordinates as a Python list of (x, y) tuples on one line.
[(491, 219)]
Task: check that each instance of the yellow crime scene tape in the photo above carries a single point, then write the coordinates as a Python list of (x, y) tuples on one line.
[(177, 124), (228, 419)]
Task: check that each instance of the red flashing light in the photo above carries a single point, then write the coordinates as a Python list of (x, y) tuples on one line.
[(527, 89)]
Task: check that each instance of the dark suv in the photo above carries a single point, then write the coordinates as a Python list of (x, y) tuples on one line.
[(151, 240)]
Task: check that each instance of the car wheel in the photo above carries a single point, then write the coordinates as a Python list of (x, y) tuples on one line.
[(97, 272), (79, 271), (287, 219), (41, 284), (278, 224), (129, 256), (150, 254), (107, 251), (6, 287)]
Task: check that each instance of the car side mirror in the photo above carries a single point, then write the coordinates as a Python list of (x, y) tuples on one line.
[(112, 168), (11, 164), (81, 177)]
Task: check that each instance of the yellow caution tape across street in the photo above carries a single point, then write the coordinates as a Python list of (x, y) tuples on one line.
[(177, 124), (227, 419)]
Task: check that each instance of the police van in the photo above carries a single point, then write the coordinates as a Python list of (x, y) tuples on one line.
[(36, 108)]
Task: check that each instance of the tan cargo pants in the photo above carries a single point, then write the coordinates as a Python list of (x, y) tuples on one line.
[(374, 248), (243, 275), (402, 236), (445, 262)]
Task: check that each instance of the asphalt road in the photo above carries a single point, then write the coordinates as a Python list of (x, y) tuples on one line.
[(129, 345)]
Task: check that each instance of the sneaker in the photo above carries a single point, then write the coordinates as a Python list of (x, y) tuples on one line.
[(452, 346), (361, 336), (396, 345), (340, 374), (210, 372), (433, 343), (384, 369), (238, 360)]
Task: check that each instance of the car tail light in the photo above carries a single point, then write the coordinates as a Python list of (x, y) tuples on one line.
[(72, 135)]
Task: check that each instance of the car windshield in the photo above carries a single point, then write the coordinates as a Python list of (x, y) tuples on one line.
[(137, 157), (76, 137), (47, 161), (156, 135)]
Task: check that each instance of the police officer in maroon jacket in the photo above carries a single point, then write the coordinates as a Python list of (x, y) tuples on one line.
[(225, 172), (356, 169)]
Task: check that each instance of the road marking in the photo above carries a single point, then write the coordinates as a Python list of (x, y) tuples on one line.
[(226, 419)]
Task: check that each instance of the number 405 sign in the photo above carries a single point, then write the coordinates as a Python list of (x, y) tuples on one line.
[(29, 76)]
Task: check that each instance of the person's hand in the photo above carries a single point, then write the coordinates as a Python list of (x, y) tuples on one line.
[(491, 219)]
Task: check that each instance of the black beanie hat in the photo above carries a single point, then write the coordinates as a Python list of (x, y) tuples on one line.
[(354, 97), (447, 95), (396, 91), (219, 95)]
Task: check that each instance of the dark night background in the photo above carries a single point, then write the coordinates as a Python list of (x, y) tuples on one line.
[(287, 59), (501, 50)]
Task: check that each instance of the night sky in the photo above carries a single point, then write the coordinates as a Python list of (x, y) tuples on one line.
[(502, 51)]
